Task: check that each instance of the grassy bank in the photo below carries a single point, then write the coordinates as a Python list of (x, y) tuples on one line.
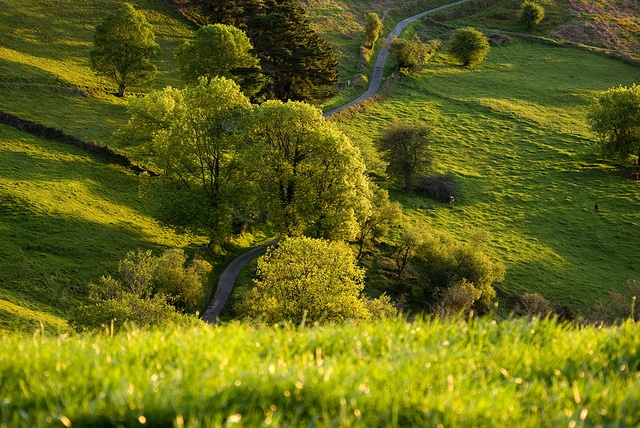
[(391, 374)]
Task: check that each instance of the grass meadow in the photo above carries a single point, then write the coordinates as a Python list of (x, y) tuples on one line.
[(425, 373), (67, 219), (513, 131)]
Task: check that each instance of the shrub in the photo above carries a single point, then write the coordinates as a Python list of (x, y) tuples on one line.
[(531, 14), (533, 304), (438, 187), (372, 29), (412, 54), (469, 46), (456, 300), (620, 306)]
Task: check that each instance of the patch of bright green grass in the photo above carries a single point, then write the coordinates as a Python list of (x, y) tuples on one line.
[(513, 130), (65, 220), (44, 63), (391, 373)]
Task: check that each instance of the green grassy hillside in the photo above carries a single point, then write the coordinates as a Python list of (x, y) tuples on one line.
[(513, 130), (481, 374), (66, 219)]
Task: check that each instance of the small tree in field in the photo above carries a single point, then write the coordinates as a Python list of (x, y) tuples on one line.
[(531, 14), (614, 116), (123, 47), (372, 29), (469, 46), (308, 279), (412, 54), (405, 146)]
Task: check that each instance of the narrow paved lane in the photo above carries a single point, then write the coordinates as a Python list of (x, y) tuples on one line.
[(375, 81)]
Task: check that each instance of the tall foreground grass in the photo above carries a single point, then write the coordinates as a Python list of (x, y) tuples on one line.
[(476, 373)]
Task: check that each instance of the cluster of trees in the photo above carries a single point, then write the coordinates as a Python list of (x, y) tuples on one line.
[(224, 158), (268, 47), (149, 290)]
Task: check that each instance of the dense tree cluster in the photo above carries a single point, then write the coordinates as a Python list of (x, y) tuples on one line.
[(298, 63), (222, 156), (312, 280)]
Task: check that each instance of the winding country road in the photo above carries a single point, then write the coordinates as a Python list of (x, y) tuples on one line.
[(228, 277)]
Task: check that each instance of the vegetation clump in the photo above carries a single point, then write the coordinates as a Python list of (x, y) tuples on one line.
[(531, 14), (124, 46), (312, 280), (469, 46)]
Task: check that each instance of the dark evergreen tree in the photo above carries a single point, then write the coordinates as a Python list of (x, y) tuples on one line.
[(299, 64)]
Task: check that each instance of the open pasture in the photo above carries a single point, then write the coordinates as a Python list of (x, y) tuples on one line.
[(513, 131)]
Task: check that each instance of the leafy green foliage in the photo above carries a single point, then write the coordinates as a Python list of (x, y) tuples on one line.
[(455, 277), (614, 116), (412, 54), (375, 225), (531, 13), (306, 173), (191, 135), (405, 146), (149, 291), (124, 46), (308, 279), (372, 28), (221, 50), (469, 46)]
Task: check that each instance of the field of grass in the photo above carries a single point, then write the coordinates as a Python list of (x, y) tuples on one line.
[(477, 373), (66, 219), (44, 62), (513, 130)]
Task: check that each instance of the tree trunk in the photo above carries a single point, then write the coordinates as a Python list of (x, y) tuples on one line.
[(121, 88)]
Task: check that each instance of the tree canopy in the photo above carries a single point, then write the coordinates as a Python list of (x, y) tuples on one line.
[(405, 146), (372, 28), (469, 46), (531, 14), (412, 54), (614, 116), (299, 64), (123, 48), (192, 136), (308, 279), (311, 177), (221, 50)]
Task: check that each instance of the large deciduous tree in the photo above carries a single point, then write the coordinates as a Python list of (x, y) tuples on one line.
[(221, 50), (469, 46), (191, 135), (311, 178), (405, 146), (308, 279), (614, 116), (123, 48)]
